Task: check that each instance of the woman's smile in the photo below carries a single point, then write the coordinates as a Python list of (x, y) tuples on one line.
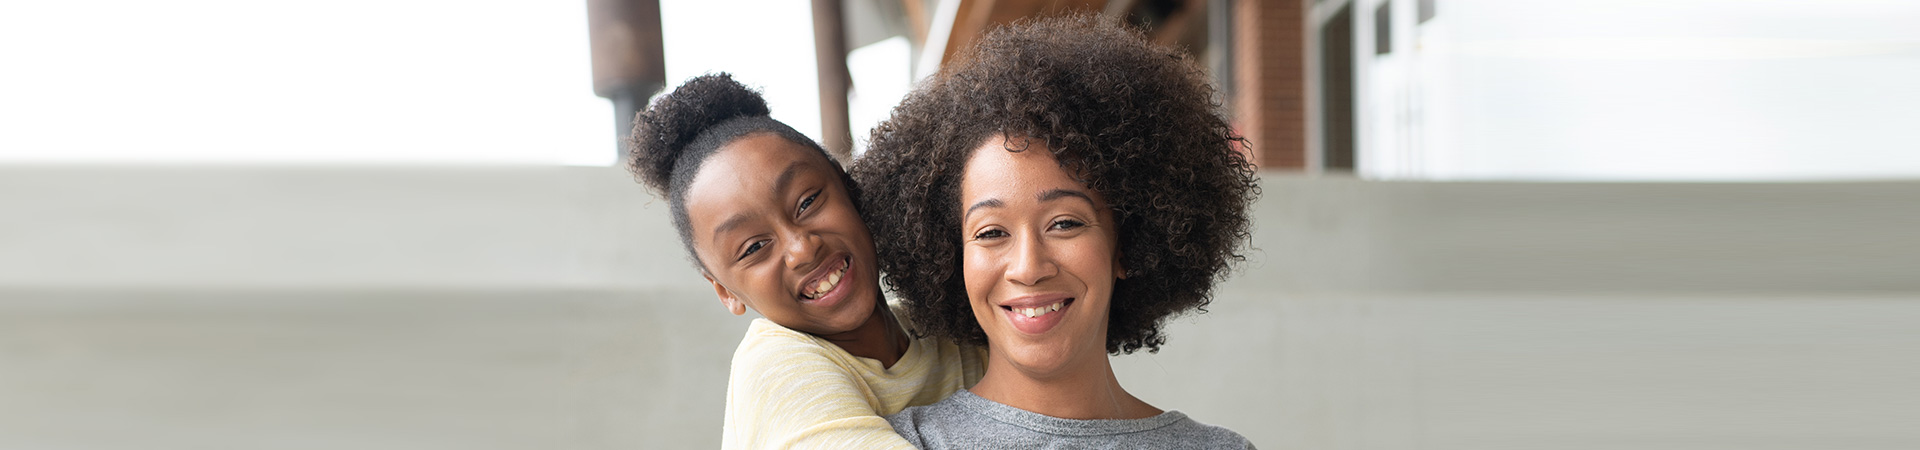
[(1036, 314)]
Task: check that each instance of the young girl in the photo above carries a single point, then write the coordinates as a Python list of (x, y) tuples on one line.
[(771, 222)]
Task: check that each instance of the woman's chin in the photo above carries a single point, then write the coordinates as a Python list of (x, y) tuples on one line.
[(1039, 360)]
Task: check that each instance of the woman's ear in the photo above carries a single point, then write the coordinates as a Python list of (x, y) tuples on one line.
[(1119, 267), (727, 298)]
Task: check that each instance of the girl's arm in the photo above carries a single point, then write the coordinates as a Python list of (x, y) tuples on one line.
[(788, 392)]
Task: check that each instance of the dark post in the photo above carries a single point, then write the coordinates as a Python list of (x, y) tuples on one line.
[(830, 52), (628, 62)]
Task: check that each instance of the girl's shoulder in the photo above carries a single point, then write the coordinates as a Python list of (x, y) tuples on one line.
[(770, 344)]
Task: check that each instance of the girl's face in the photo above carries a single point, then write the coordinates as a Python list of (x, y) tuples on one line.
[(1039, 257), (773, 225)]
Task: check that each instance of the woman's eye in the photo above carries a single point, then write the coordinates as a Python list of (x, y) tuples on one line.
[(753, 248), (989, 234), (808, 202), (1067, 224)]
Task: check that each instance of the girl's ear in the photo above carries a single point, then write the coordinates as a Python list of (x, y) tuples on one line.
[(727, 298)]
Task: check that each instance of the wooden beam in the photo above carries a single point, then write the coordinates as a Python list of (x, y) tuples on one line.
[(1116, 11), (1175, 30), (629, 64), (917, 20), (830, 55), (624, 36), (978, 16)]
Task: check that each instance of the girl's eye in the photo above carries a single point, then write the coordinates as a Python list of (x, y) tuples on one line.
[(1067, 224), (753, 248), (808, 202), (990, 234)]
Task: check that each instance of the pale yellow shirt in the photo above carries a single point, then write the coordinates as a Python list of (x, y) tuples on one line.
[(790, 389)]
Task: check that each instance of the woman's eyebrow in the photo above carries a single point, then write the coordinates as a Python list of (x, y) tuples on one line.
[(1049, 195), (988, 203), (1058, 193)]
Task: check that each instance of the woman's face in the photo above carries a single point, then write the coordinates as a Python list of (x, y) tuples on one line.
[(1039, 259), (773, 225)]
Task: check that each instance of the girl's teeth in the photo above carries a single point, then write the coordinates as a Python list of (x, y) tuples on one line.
[(827, 284)]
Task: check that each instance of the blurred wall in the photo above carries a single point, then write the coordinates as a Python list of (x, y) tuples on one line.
[(549, 307)]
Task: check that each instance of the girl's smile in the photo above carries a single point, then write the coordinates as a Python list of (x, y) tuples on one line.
[(777, 231)]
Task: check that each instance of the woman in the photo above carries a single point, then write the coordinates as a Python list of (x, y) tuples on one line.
[(770, 221), (1085, 187)]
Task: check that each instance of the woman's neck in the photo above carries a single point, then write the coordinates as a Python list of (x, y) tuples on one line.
[(879, 338), (1088, 392)]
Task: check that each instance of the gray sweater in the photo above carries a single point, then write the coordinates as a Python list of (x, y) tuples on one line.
[(965, 420)]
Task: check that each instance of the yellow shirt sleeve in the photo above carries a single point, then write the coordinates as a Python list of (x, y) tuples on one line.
[(789, 390)]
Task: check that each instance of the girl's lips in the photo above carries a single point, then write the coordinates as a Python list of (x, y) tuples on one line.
[(1046, 320), (840, 290)]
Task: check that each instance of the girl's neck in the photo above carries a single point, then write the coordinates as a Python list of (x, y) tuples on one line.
[(1086, 393), (879, 338)]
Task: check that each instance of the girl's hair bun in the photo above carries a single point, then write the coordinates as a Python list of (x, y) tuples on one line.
[(663, 131)]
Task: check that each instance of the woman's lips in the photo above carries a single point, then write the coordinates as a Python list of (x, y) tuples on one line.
[(1037, 318)]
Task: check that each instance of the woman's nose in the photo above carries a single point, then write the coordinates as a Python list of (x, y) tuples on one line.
[(1030, 263)]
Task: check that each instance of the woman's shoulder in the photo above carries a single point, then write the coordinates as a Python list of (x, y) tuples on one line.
[(1203, 435), (929, 426)]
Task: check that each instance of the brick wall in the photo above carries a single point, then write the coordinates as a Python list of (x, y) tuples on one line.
[(1270, 104)]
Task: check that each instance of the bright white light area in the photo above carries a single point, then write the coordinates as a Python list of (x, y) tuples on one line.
[(882, 76), (350, 81), (765, 44), (1684, 48), (1718, 90), (361, 81), (768, 45)]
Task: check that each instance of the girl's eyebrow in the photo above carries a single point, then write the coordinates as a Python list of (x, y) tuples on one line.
[(729, 224), (786, 176), (779, 183)]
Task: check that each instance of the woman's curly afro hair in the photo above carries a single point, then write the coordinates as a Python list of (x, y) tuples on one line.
[(673, 137), (1135, 121)]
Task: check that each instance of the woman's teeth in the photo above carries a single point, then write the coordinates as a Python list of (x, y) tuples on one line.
[(1037, 311), (827, 285)]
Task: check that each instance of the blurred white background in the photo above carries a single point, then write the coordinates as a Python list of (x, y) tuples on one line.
[(223, 81), (186, 264), (1687, 90), (1717, 90)]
